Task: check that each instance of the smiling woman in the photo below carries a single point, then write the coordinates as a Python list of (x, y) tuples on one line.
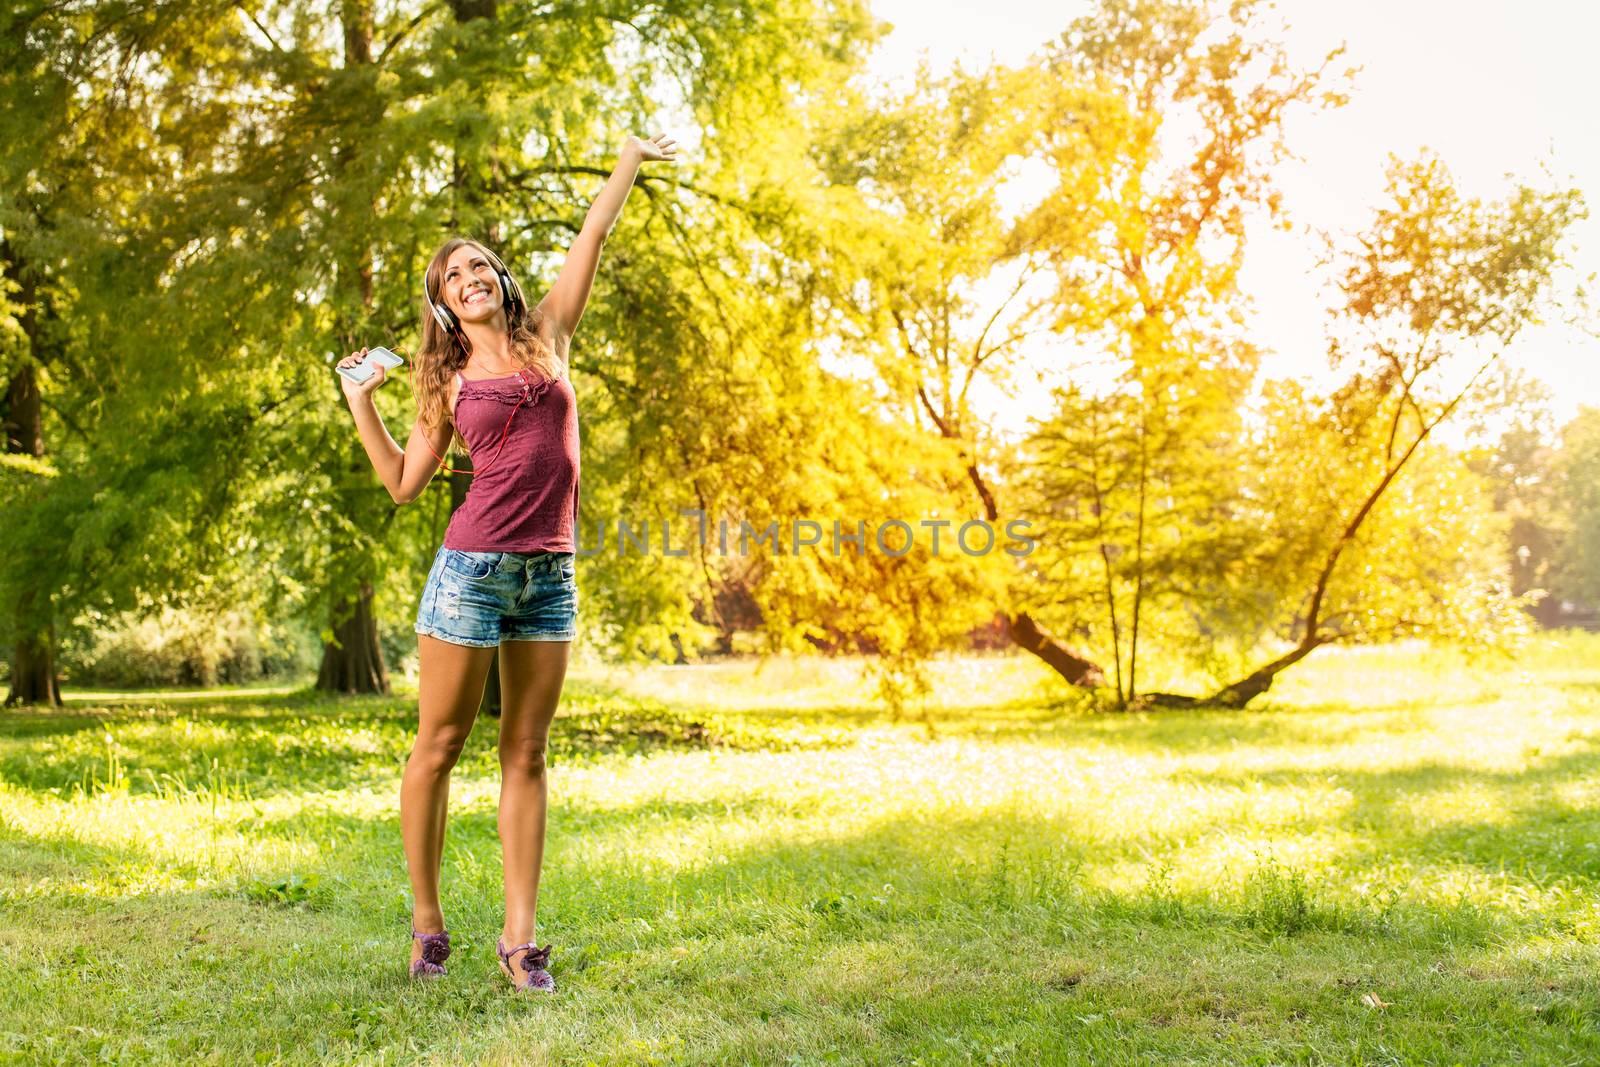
[(492, 373), (465, 286)]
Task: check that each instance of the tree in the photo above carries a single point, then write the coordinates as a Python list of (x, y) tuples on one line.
[(78, 161), (1162, 122), (1142, 501), (352, 658), (1520, 465), (922, 233), (1437, 280), (292, 219)]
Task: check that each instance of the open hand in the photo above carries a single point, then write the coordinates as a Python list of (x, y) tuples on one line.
[(358, 390), (660, 147)]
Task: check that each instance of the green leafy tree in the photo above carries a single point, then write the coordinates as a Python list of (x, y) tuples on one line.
[(88, 139), (1520, 466), (1143, 504), (921, 241), (1436, 288), (334, 152), (1162, 122)]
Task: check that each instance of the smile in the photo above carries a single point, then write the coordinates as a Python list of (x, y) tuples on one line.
[(476, 296)]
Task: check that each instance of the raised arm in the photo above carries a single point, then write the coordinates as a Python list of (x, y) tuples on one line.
[(569, 295), (405, 474)]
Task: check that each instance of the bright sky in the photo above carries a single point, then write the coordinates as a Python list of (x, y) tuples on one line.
[(1494, 87)]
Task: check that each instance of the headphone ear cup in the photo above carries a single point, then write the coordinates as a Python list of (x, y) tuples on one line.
[(512, 293), (441, 314), (446, 318)]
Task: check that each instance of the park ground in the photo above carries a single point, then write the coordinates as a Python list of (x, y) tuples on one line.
[(1393, 858)]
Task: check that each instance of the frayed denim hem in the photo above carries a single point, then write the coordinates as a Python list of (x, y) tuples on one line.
[(450, 638)]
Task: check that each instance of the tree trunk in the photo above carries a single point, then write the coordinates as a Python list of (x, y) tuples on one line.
[(470, 10), (1071, 666), (1240, 693), (24, 423), (1138, 562), (33, 661), (353, 663), (1029, 634), (1105, 558), (356, 17), (1257, 682)]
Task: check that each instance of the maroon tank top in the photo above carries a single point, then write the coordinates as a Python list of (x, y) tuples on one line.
[(526, 500)]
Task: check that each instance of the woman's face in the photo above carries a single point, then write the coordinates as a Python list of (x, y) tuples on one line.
[(469, 287)]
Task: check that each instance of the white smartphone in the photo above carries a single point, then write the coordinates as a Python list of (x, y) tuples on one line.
[(363, 370)]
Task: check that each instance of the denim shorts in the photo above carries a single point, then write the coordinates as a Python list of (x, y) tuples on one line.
[(483, 598)]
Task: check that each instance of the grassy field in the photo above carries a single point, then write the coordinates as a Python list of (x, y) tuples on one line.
[(1393, 860)]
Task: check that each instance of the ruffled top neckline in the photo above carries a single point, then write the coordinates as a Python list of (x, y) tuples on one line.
[(509, 388)]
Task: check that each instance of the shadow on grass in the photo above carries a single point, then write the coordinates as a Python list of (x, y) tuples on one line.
[(611, 867), (35, 864), (941, 941), (1001, 943), (1193, 730), (1537, 836), (305, 741)]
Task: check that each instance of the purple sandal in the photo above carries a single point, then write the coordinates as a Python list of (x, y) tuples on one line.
[(535, 963), (435, 950)]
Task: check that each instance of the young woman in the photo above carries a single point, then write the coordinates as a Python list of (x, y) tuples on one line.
[(493, 371)]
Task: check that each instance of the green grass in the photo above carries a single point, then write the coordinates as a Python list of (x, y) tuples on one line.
[(1394, 859)]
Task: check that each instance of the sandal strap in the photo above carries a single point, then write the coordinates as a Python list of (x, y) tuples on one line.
[(536, 957)]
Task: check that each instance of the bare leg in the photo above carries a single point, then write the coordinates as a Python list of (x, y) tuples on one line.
[(531, 676), (450, 687)]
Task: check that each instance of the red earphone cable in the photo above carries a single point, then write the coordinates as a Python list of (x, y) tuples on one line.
[(508, 290), (505, 431)]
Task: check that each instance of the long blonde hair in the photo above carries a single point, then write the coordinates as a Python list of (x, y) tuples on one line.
[(441, 356)]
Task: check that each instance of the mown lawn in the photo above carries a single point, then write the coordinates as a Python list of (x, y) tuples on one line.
[(1394, 860)]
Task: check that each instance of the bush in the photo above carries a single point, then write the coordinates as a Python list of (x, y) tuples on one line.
[(181, 647)]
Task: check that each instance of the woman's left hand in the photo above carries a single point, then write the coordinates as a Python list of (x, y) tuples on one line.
[(660, 148)]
